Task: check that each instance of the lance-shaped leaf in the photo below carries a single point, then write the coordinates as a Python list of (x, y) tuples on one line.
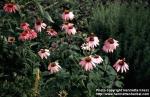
[(48, 17)]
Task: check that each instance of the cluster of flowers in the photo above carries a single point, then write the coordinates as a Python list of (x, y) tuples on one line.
[(27, 34), (92, 41), (69, 29), (109, 46)]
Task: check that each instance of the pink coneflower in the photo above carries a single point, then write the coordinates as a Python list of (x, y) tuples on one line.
[(121, 65), (97, 59), (71, 30), (44, 53), (27, 35), (24, 26), (32, 34), (67, 15), (65, 25), (92, 41), (87, 63), (110, 45), (54, 67), (10, 8), (51, 32), (39, 25), (24, 35)]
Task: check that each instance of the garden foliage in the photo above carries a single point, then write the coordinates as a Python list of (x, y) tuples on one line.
[(129, 23)]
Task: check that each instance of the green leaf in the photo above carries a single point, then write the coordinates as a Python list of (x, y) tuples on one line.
[(48, 17), (118, 84), (34, 43), (74, 47), (83, 77), (40, 8), (106, 60), (90, 87), (82, 83)]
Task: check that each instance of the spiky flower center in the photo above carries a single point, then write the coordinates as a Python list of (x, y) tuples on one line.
[(121, 62), (63, 94), (24, 33), (23, 24), (111, 40), (12, 39), (51, 30), (88, 59), (53, 64), (66, 11), (70, 27), (91, 38), (66, 23), (96, 56), (38, 22), (10, 5), (42, 51)]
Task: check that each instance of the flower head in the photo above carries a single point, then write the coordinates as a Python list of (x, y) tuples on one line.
[(24, 36), (11, 39), (27, 35), (65, 25), (87, 63), (69, 28), (24, 26), (63, 93), (110, 45), (97, 59), (121, 65), (54, 67), (51, 32), (33, 34), (44, 53), (10, 8), (67, 15), (39, 25), (92, 41)]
